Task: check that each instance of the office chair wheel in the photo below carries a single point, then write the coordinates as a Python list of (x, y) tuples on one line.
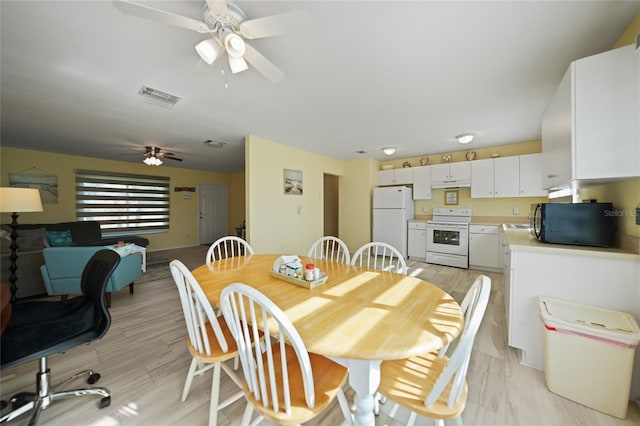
[(22, 398), (105, 402), (93, 378)]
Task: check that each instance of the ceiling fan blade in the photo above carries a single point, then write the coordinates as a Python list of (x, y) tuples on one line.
[(218, 7), (165, 157), (262, 64), (169, 18), (274, 25)]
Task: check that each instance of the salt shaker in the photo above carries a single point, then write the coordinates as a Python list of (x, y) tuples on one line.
[(308, 271)]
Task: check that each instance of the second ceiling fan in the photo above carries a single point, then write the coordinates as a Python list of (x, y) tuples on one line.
[(228, 29)]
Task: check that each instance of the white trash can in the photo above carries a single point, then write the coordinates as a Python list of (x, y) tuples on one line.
[(588, 354)]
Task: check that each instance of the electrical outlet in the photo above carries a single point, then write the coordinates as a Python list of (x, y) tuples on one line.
[(516, 210)]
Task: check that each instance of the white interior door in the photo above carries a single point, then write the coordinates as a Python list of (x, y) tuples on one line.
[(213, 203)]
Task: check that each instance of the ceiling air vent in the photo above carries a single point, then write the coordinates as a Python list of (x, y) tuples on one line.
[(214, 144), (158, 97)]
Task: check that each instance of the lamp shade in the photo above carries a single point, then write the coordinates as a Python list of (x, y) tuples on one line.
[(237, 64), (20, 200), (209, 49)]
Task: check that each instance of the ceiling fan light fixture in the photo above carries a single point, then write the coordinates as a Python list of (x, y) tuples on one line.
[(209, 49), (234, 44), (237, 64), (465, 137), (152, 161), (389, 150)]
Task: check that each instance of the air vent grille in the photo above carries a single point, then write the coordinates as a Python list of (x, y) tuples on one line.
[(214, 144), (158, 97)]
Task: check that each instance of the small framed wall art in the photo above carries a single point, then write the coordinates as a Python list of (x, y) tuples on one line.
[(450, 198), (293, 182)]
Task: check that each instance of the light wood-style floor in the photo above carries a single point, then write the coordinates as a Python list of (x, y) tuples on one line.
[(143, 360)]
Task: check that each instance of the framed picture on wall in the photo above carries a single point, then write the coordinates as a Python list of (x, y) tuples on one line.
[(450, 198), (47, 184), (292, 182)]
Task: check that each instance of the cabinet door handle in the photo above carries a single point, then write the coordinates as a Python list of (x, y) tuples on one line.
[(551, 176)]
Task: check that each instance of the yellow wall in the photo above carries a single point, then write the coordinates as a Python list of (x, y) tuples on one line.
[(236, 201), (356, 201), (184, 213), (279, 222), (530, 147), (630, 33)]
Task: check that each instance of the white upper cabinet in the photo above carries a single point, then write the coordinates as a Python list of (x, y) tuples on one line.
[(422, 183), (531, 176), (590, 129), (495, 178), (449, 175), (402, 176)]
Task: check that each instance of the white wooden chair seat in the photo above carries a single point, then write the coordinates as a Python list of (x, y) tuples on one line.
[(209, 341), (217, 353), (434, 384), (409, 381), (328, 379), (283, 381)]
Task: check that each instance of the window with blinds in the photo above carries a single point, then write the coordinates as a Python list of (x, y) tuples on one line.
[(124, 204)]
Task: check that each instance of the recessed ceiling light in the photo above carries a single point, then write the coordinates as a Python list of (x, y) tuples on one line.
[(389, 150), (465, 137)]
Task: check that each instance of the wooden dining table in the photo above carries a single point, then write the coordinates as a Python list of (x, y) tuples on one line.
[(359, 317)]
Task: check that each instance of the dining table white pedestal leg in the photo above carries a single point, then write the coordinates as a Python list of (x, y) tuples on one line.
[(364, 378)]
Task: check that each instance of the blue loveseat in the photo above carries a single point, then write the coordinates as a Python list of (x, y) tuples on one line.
[(63, 268)]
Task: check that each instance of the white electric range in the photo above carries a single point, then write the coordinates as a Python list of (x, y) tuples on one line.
[(448, 237)]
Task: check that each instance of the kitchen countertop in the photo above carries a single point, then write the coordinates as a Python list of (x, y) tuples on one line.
[(521, 239)]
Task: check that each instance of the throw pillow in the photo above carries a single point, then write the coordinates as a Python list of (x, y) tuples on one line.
[(34, 233), (60, 238)]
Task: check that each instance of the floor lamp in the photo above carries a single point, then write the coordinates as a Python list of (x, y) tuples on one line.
[(14, 201)]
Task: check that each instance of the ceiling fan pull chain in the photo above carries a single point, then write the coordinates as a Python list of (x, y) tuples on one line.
[(224, 77)]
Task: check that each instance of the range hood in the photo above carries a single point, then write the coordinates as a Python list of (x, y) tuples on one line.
[(463, 183)]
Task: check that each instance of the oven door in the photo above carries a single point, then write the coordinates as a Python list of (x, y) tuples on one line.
[(452, 238)]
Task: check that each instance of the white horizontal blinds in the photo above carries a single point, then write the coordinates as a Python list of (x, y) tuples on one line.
[(123, 203)]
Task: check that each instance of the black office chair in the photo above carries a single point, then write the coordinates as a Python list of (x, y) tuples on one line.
[(40, 328)]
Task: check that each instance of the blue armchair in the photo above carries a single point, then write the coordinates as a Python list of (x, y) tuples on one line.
[(63, 268)]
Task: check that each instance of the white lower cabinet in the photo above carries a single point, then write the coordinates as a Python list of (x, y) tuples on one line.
[(484, 247), (417, 249), (578, 276)]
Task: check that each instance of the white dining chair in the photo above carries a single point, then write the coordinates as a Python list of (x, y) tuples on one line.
[(434, 384), (283, 382), (381, 256), (229, 246), (330, 248), (209, 341)]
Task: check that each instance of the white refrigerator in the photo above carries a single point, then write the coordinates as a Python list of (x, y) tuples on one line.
[(392, 209)]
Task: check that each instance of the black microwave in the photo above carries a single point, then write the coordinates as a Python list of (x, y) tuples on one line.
[(586, 224)]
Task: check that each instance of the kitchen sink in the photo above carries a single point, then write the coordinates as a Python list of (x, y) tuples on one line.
[(518, 226)]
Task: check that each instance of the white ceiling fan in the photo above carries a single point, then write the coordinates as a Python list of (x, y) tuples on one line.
[(228, 28)]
